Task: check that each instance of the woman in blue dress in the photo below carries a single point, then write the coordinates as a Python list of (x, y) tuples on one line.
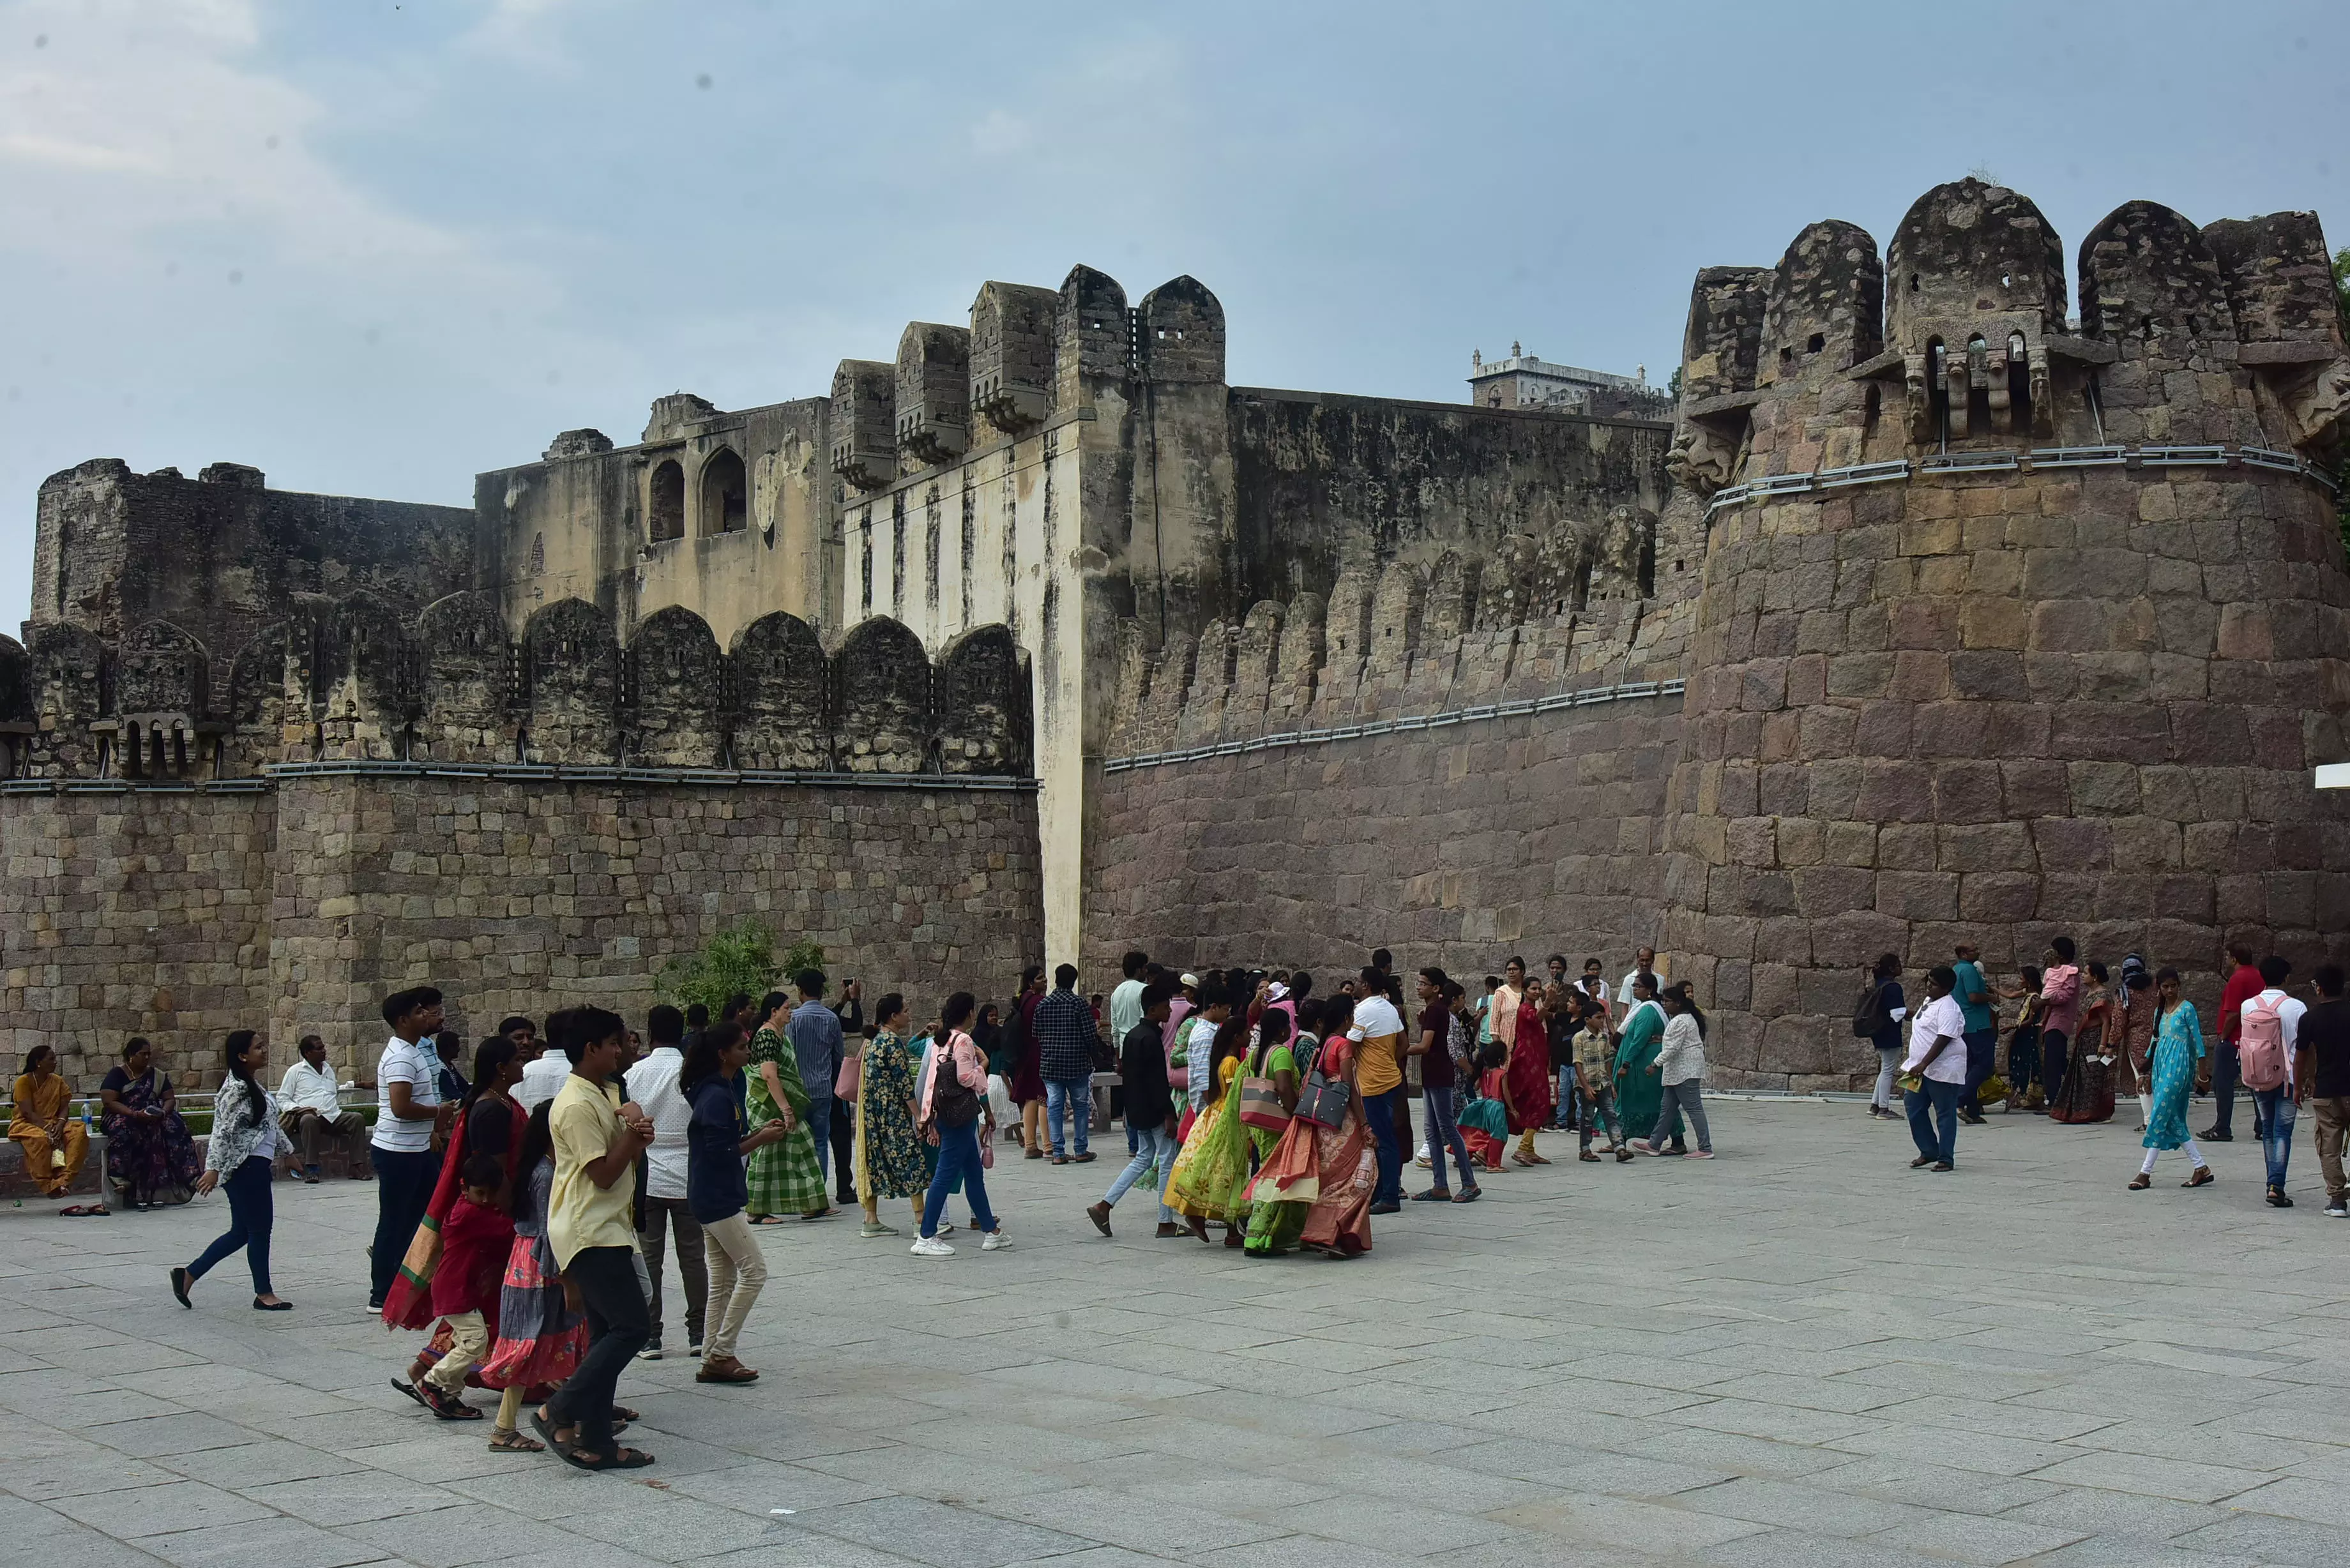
[(2177, 1044)]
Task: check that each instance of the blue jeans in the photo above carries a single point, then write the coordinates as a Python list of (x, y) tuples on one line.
[(2273, 1110), (1568, 1107), (1153, 1146), (1385, 1111), (1939, 1140), (1076, 1097), (819, 1122), (251, 1213), (1443, 1133), (959, 1162), (1983, 1055), (403, 1186)]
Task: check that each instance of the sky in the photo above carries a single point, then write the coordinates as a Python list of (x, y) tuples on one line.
[(373, 248)]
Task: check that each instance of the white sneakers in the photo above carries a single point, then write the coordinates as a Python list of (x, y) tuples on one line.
[(932, 1247)]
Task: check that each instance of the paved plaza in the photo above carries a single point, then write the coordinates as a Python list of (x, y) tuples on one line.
[(1802, 1353)]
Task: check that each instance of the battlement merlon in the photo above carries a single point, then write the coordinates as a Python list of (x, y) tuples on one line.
[(1959, 340)]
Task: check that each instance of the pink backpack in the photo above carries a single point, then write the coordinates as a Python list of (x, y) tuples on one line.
[(2261, 1050)]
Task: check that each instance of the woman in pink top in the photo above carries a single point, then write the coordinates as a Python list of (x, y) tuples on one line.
[(954, 1102), (2060, 1014)]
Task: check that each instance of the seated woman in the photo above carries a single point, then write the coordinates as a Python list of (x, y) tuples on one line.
[(148, 1149), (55, 1144)]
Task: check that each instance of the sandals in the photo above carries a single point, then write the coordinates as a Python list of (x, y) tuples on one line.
[(1433, 1195), (1467, 1195), (85, 1211), (410, 1390), (507, 1441), (2202, 1177), (446, 1406), (2140, 1182), (609, 1459), (768, 1219)]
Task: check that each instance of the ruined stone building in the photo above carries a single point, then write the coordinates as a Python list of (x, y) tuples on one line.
[(1526, 381), (1935, 609)]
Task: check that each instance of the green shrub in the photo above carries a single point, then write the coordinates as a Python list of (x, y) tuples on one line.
[(739, 960)]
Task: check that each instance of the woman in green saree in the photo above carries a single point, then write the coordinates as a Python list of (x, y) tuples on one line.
[(784, 1177), (1639, 1090)]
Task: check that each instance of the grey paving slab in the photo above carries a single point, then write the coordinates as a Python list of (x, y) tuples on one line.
[(1753, 1363)]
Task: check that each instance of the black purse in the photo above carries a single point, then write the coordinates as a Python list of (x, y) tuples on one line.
[(1324, 1099)]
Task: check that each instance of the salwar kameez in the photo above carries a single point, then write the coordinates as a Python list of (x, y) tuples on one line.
[(2177, 1045)]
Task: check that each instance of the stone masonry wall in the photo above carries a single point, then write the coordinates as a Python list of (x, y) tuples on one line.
[(127, 913), (182, 916)]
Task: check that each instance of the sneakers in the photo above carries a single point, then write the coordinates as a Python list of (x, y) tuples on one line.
[(1641, 1145), (875, 1227), (693, 1349), (2337, 1210), (651, 1352), (997, 1241), (1699, 1154), (932, 1247)]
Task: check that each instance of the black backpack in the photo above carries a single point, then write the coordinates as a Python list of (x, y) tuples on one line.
[(1870, 1015), (951, 1105)]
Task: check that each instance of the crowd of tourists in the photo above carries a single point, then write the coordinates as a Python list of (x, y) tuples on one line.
[(2080, 1038), (531, 1193)]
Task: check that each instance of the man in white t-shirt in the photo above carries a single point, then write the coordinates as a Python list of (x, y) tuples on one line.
[(653, 1084), (406, 1146), (2273, 1110), (1644, 962), (1937, 1056), (1378, 1036), (310, 1110)]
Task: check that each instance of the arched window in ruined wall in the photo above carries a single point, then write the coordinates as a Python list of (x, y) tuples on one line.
[(666, 507), (726, 495)]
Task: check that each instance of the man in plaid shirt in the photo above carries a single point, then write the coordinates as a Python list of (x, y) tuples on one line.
[(1066, 1041)]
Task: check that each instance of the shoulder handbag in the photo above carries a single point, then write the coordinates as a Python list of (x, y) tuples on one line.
[(851, 1081), (1261, 1102), (1324, 1099)]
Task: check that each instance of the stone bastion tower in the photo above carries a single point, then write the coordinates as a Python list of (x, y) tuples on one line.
[(2010, 624)]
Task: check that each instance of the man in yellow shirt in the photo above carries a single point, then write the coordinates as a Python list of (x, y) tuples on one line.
[(592, 1225), (1377, 1034)]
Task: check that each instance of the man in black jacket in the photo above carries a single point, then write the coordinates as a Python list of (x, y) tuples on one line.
[(1150, 1110)]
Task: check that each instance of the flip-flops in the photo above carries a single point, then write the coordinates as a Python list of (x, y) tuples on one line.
[(85, 1211), (614, 1459), (410, 1390)]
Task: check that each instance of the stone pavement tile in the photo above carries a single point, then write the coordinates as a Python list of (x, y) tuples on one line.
[(1634, 1526), (1382, 1475), (926, 1472), (1290, 1417), (1522, 1551), (1836, 1394), (754, 1486), (2152, 1476), (458, 1537), (2001, 1418), (1303, 1552), (2297, 1497), (354, 1427), (1793, 1505), (259, 1464), (802, 1548), (1789, 1362), (1962, 1382), (1778, 1423), (2210, 1444), (99, 1406), (76, 1547), (352, 1498), (1212, 1443), (2115, 1513), (1139, 1524), (1186, 1481), (668, 1528), (1978, 1451), (1936, 1486), (153, 1436), (2271, 1538), (1731, 1452), (1435, 1438), (451, 1453), (276, 1541), (151, 1510), (987, 1434), (1404, 1528), (90, 1470), (1800, 1549), (1408, 1400), (1090, 1382), (21, 1521), (578, 1552), (1971, 1538), (2124, 1552), (943, 1537)]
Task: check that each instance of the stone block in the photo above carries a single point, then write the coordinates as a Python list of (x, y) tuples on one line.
[(1998, 896), (1896, 792), (1917, 895)]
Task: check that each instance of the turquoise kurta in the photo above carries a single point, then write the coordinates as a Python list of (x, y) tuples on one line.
[(2177, 1042), (1639, 1092)]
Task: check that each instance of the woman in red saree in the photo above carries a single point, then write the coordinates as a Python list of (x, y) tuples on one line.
[(486, 1118), (1527, 1082), (1314, 1188)]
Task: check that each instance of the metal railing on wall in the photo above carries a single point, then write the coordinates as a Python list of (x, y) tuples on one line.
[(519, 772), (1901, 470)]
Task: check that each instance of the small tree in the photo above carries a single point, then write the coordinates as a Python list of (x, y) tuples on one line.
[(738, 962)]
